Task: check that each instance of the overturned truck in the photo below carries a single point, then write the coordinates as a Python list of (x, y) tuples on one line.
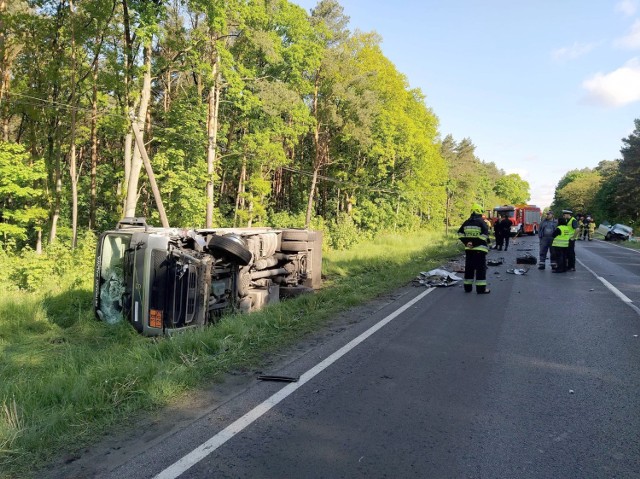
[(164, 280)]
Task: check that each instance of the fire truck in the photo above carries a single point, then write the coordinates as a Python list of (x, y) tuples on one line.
[(525, 219)]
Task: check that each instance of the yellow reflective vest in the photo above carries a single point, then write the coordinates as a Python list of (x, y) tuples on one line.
[(562, 240)]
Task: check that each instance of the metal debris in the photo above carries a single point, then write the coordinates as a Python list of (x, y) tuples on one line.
[(437, 277), (526, 258), (286, 379), (518, 271), (495, 262)]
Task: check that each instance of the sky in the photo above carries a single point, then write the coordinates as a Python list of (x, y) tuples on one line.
[(540, 87)]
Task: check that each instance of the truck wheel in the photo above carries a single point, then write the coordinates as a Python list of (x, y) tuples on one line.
[(607, 237), (296, 235), (294, 246), (229, 247)]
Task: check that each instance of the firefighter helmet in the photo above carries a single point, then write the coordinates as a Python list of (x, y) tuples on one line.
[(476, 209)]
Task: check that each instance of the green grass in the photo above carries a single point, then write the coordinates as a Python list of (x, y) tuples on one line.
[(66, 378)]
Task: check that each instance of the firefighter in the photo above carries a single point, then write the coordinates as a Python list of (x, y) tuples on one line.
[(572, 224), (474, 235), (592, 227), (581, 228), (560, 245)]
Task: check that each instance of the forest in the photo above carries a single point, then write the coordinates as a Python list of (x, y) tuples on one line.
[(610, 191), (250, 112)]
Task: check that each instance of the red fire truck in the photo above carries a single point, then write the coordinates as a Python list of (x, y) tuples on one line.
[(525, 219)]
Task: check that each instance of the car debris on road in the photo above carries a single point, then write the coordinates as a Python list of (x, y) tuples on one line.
[(437, 277), (518, 271)]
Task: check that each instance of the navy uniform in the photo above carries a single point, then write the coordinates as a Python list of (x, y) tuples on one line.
[(474, 234)]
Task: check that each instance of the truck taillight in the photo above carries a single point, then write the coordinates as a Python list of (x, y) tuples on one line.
[(155, 318)]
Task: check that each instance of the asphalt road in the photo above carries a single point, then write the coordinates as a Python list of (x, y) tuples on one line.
[(539, 379)]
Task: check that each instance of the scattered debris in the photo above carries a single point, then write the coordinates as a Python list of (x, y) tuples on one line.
[(527, 258), (571, 391), (592, 289), (519, 271), (437, 277), (495, 262), (286, 379)]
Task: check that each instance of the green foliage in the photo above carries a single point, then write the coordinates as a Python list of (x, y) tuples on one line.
[(608, 192), (343, 233), (21, 201), (31, 271), (296, 94), (512, 188), (629, 177)]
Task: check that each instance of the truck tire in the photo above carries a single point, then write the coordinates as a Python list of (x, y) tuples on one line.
[(296, 235), (294, 246), (229, 247)]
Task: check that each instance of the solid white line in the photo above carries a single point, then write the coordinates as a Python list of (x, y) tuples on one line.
[(611, 287), (622, 247), (206, 448)]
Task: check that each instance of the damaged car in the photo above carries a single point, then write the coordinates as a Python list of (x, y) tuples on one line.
[(617, 232)]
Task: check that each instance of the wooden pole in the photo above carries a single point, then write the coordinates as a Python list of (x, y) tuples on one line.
[(152, 178)]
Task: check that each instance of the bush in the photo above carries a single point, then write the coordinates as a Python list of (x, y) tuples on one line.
[(58, 266), (343, 233)]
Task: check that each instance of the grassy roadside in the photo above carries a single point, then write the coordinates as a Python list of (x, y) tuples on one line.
[(65, 378)]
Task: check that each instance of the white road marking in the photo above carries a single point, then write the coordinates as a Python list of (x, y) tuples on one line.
[(611, 288), (618, 246), (206, 448)]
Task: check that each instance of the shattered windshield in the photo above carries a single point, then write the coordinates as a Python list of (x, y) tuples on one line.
[(113, 273)]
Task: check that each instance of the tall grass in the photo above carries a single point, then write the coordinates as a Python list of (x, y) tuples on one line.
[(65, 378)]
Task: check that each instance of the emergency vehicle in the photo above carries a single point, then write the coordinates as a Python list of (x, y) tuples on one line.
[(525, 219)]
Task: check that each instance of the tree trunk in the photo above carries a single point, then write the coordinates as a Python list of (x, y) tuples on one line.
[(5, 68), (72, 154), (136, 160), (54, 147), (94, 149), (212, 132), (39, 242), (240, 191), (127, 77), (312, 189)]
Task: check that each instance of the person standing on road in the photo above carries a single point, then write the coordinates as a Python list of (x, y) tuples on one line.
[(592, 227), (497, 232), (474, 234), (547, 227), (572, 224), (486, 220), (504, 226), (560, 245)]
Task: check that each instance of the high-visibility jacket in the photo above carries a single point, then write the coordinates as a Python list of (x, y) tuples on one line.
[(575, 231), (562, 240), (474, 234)]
